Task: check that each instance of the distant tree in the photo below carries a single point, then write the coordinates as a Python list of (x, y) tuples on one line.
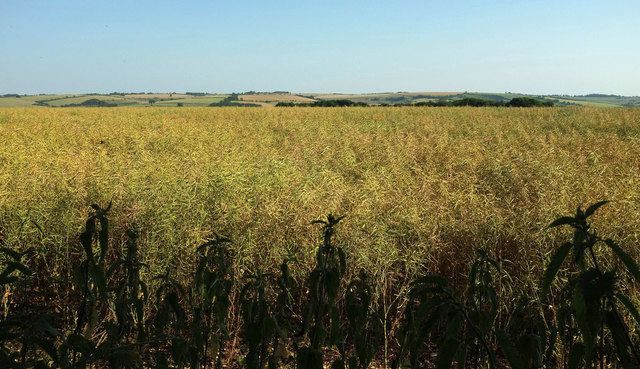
[(525, 102), (92, 103)]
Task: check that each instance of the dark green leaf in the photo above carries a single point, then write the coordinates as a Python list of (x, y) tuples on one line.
[(509, 350), (582, 317), (14, 254), (338, 364), (461, 357), (21, 267), (553, 267), (332, 283), (80, 344), (561, 221), (591, 209), (99, 279), (631, 265), (576, 355), (48, 347), (619, 335), (447, 353), (8, 280), (630, 307), (432, 279), (46, 327)]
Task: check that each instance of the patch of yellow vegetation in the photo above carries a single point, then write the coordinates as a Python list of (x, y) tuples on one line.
[(421, 187)]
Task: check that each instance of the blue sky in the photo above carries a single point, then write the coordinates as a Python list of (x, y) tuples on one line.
[(540, 47)]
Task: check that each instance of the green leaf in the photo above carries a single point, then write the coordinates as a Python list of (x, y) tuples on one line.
[(432, 279), (14, 254), (631, 265), (553, 267), (80, 344), (86, 238), (100, 280), (103, 237), (531, 346), (113, 267), (338, 364), (582, 317), (447, 353), (332, 283), (509, 350), (43, 325), (591, 209), (8, 280), (619, 335), (461, 357), (336, 336), (21, 267), (562, 221), (576, 355), (48, 347), (630, 307)]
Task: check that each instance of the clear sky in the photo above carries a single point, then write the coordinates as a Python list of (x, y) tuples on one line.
[(529, 46)]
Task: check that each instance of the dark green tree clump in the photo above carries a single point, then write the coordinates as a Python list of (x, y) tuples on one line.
[(92, 103), (325, 103), (232, 100), (527, 102), (468, 101)]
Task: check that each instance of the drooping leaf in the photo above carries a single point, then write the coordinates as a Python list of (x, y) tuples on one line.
[(80, 344), (338, 364), (21, 267), (628, 261), (591, 209), (562, 221), (48, 347), (14, 254), (446, 354), (619, 336), (582, 317), (461, 357), (46, 327), (553, 267), (103, 237), (509, 350), (630, 307), (576, 355), (8, 280)]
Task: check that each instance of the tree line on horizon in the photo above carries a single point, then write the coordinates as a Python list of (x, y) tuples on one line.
[(522, 102)]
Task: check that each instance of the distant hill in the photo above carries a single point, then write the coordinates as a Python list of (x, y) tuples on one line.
[(253, 98)]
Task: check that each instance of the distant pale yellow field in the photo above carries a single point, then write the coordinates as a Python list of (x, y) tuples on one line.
[(274, 98), (157, 96)]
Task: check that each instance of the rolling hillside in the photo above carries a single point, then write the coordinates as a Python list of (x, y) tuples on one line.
[(270, 99)]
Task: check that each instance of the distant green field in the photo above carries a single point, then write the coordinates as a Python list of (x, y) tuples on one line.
[(80, 99), (596, 104), (25, 101), (505, 97)]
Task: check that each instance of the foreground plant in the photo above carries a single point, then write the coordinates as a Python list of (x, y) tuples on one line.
[(595, 296), (460, 328)]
